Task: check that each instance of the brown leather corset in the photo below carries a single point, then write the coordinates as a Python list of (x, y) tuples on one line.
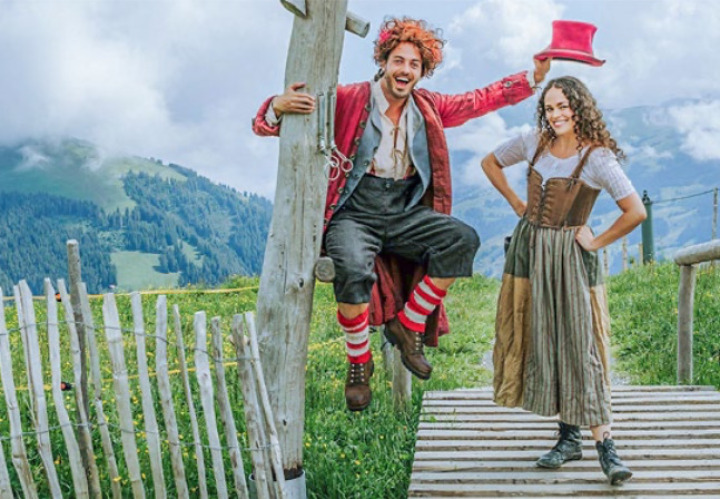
[(564, 202)]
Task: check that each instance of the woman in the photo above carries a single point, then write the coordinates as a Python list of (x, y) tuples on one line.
[(552, 326)]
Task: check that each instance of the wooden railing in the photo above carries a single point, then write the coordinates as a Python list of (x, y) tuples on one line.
[(687, 258)]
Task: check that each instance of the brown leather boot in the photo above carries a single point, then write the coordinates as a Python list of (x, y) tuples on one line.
[(357, 385), (410, 345)]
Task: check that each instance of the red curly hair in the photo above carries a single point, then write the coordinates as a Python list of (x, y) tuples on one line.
[(396, 31)]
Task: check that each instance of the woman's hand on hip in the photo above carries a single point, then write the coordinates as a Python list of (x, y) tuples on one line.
[(585, 238), (519, 207)]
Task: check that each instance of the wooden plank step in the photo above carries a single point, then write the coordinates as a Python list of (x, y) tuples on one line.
[(488, 391), (447, 433), (550, 425), (684, 488), (532, 455), (584, 464), (621, 401), (467, 444), (544, 476), (450, 415), (616, 409)]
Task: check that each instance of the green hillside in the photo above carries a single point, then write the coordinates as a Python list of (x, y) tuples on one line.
[(140, 223), (370, 454)]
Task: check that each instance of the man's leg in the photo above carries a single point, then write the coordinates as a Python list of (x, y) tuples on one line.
[(447, 247), (352, 246)]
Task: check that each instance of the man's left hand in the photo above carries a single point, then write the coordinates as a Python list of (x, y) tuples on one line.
[(541, 69)]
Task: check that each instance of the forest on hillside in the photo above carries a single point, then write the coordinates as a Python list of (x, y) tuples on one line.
[(203, 231)]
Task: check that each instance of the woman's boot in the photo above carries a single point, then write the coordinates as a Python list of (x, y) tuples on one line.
[(612, 465), (567, 448)]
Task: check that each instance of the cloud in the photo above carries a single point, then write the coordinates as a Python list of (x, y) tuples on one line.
[(172, 83), (507, 32), (480, 137), (700, 125)]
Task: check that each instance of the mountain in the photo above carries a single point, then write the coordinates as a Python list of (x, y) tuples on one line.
[(662, 159), (140, 223)]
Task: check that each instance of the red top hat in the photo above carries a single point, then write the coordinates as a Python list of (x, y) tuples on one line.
[(572, 41)]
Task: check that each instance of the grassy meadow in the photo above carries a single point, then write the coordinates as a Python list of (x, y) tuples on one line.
[(369, 454)]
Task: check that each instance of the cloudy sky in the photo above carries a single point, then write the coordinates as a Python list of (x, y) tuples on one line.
[(180, 79)]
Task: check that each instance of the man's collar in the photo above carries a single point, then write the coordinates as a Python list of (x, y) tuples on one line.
[(379, 97)]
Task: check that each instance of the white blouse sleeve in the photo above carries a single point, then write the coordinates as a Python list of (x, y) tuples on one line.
[(606, 172), (519, 148)]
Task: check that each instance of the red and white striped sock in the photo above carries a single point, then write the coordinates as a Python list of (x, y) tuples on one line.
[(357, 336), (423, 300)]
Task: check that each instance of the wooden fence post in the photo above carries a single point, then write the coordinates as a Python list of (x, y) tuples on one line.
[(97, 385), (199, 456), (113, 332), (207, 401), (226, 414), (75, 275), (152, 434), (624, 254), (37, 387), (293, 244), (84, 434), (76, 464), (18, 452), (687, 258), (165, 395)]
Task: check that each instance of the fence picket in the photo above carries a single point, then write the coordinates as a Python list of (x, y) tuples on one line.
[(84, 434), (256, 436), (21, 324), (17, 445), (226, 414), (113, 332), (199, 457), (76, 468), (42, 426), (5, 490), (275, 456), (152, 435), (207, 399), (165, 393), (91, 342)]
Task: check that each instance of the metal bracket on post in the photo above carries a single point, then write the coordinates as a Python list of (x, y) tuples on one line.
[(321, 123), (331, 119)]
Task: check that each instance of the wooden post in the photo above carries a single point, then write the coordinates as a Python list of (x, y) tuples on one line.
[(207, 401), (687, 258), (165, 395), (256, 439), (113, 332), (293, 246), (76, 465), (624, 254), (401, 384), (84, 434), (96, 378), (686, 297), (715, 214), (35, 372), (75, 275), (199, 456), (18, 452), (152, 434), (606, 262), (226, 414)]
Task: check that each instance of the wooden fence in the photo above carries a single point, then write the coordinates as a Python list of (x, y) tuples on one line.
[(687, 258), (122, 437)]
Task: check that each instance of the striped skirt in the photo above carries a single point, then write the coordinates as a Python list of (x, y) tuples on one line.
[(552, 329)]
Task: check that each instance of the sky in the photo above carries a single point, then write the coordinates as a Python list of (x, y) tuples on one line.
[(180, 80)]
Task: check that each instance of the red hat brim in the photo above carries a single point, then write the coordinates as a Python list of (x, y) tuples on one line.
[(569, 55)]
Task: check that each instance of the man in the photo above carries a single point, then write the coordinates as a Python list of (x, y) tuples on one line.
[(388, 227)]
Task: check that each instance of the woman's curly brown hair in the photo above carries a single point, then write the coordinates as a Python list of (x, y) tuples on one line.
[(589, 126), (396, 31)]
